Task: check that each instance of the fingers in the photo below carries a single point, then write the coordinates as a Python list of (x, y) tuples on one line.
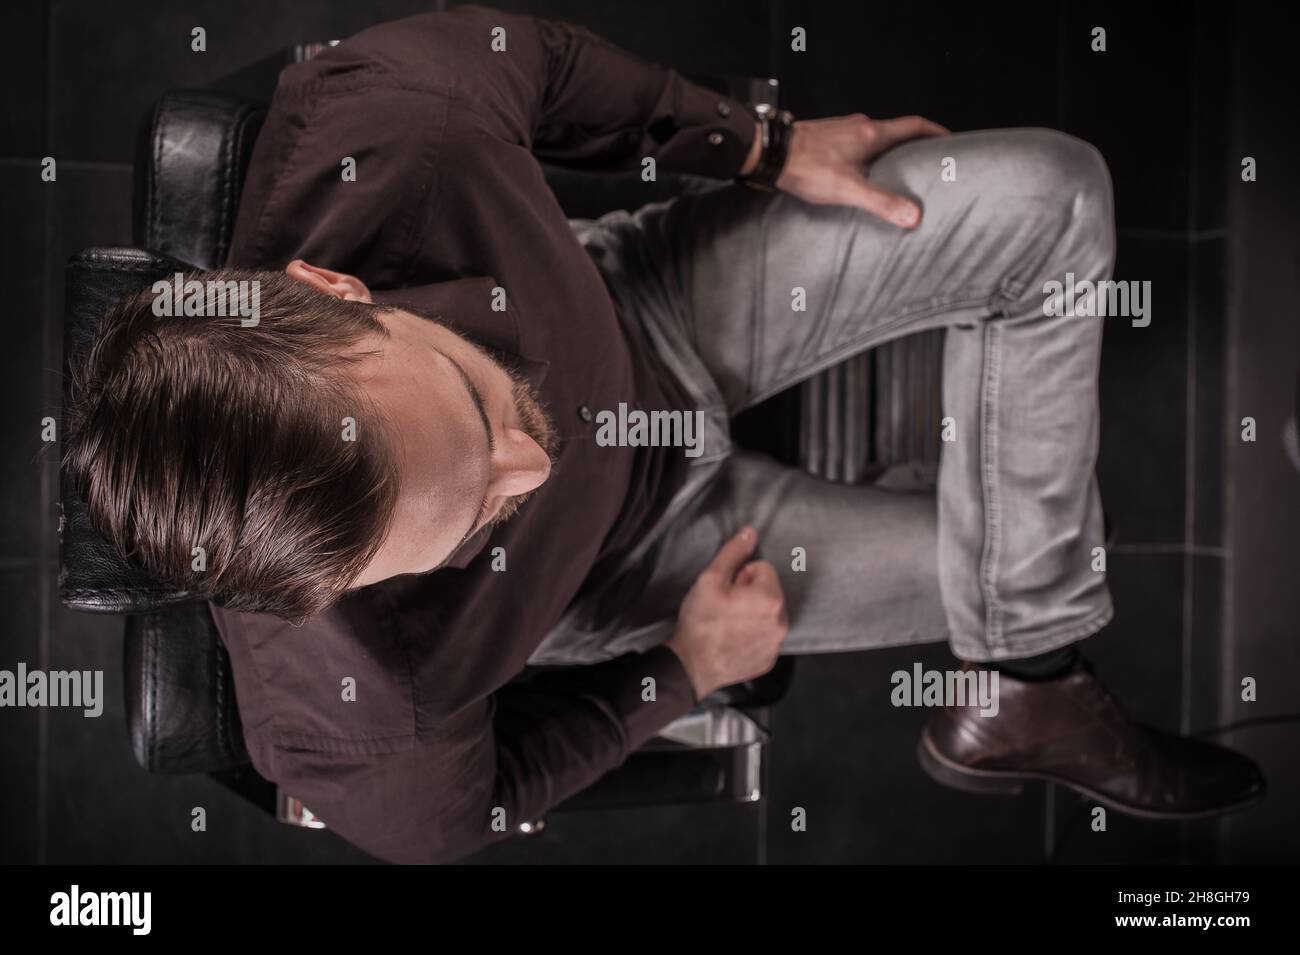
[(763, 588), (891, 132), (759, 574), (732, 555), (887, 133), (865, 194)]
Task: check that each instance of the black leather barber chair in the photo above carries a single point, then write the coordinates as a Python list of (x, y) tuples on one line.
[(180, 705)]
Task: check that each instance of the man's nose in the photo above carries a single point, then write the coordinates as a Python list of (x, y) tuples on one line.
[(519, 465)]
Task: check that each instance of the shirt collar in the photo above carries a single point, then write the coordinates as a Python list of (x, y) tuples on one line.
[(465, 306)]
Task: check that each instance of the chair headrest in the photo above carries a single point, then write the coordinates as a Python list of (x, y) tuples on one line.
[(91, 574), (191, 160)]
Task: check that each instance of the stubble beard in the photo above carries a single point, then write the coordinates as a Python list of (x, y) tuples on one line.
[(534, 422)]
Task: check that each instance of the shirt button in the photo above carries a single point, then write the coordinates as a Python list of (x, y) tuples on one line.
[(724, 110), (715, 139), (584, 413)]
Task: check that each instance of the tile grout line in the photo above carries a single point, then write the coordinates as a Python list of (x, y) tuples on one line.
[(1232, 217), (1192, 443), (1189, 497), (110, 165), (1180, 235), (43, 524), (1195, 550)]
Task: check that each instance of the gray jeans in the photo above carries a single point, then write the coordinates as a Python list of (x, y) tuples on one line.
[(1002, 563)]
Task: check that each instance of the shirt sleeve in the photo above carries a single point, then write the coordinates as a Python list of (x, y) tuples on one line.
[(494, 765), (572, 97)]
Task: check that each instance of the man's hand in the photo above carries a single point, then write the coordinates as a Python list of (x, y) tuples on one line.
[(733, 620), (828, 161)]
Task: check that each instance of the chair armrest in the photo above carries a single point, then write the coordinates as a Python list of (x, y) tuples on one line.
[(180, 693), (711, 753)]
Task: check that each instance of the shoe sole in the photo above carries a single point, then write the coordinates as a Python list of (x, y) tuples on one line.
[(993, 782)]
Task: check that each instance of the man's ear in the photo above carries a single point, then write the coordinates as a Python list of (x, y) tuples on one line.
[(339, 284)]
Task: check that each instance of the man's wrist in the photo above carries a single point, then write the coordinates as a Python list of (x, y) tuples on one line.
[(775, 132), (684, 657)]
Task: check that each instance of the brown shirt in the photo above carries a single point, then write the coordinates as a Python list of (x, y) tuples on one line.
[(448, 203)]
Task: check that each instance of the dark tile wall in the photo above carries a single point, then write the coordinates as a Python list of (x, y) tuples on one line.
[(1156, 103), (1262, 524)]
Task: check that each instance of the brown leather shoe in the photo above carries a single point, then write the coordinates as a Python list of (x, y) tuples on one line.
[(1071, 731)]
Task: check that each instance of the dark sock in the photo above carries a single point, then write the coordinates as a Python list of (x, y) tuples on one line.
[(1043, 666)]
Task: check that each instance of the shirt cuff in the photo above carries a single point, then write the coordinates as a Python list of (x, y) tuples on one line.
[(674, 693), (715, 137)]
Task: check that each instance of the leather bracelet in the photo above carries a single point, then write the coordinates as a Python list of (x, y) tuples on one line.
[(777, 127)]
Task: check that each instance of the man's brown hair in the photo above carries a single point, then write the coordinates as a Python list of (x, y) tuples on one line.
[(187, 432)]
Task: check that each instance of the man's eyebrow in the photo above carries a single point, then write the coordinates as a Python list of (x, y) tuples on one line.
[(481, 407)]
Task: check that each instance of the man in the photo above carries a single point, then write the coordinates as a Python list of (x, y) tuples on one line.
[(407, 486)]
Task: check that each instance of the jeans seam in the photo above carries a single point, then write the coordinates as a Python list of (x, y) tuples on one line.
[(758, 311), (989, 468)]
